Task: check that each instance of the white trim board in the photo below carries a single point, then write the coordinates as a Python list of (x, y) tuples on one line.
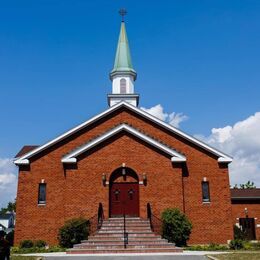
[(222, 158), (72, 156)]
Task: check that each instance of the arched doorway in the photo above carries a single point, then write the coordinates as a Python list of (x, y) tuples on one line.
[(124, 193)]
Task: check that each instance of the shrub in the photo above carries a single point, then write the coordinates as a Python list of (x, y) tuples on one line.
[(40, 243), (236, 244), (73, 231), (215, 247), (18, 250), (210, 247), (10, 237), (176, 226), (239, 234), (26, 244)]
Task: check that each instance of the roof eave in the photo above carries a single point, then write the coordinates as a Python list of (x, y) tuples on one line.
[(21, 162), (225, 160)]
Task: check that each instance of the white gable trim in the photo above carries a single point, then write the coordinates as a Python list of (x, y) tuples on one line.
[(223, 158), (72, 157)]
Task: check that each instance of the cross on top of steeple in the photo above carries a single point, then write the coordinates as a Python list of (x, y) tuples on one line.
[(123, 13)]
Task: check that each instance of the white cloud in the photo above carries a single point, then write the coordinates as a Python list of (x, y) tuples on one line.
[(8, 181), (242, 141), (172, 118)]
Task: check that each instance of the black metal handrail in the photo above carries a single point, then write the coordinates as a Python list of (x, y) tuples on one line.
[(96, 221), (155, 223), (125, 234)]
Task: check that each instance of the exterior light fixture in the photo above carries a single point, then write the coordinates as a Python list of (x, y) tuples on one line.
[(246, 211), (123, 169), (104, 179), (144, 179)]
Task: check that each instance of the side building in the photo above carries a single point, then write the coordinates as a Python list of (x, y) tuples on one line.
[(246, 211)]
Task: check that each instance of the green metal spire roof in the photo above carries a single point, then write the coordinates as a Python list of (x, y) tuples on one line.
[(123, 61)]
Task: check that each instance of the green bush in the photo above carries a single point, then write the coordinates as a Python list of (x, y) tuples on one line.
[(40, 243), (239, 234), (26, 244), (236, 244), (73, 231), (10, 237), (176, 226)]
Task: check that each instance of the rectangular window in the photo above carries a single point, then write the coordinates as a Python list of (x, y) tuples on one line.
[(205, 191), (42, 193)]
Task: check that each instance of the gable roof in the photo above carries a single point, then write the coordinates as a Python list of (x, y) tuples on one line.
[(72, 156), (222, 158), (25, 149), (245, 194)]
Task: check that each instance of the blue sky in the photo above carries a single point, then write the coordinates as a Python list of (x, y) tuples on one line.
[(199, 58)]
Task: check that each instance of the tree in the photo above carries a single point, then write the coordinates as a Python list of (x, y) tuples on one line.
[(247, 185), (11, 207)]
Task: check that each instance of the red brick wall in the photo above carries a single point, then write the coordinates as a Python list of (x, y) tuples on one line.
[(238, 211), (74, 192)]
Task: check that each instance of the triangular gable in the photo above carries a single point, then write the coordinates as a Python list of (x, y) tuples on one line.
[(222, 158), (71, 157)]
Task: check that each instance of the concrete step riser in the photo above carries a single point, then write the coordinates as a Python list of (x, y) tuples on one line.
[(122, 231), (129, 231), (132, 243), (105, 247), (128, 225), (137, 239), (129, 235), (113, 251)]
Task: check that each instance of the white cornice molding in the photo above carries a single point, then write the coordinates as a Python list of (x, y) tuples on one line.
[(138, 111), (72, 156)]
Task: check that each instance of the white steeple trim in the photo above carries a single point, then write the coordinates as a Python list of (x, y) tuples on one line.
[(71, 157), (25, 158)]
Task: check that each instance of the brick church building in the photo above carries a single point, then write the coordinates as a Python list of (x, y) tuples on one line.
[(123, 158)]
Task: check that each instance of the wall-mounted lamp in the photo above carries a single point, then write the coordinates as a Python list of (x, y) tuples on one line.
[(246, 211), (123, 169), (144, 178), (104, 179)]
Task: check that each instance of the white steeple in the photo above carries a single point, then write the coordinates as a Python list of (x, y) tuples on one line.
[(123, 75)]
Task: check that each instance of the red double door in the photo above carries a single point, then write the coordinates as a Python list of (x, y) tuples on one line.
[(124, 199)]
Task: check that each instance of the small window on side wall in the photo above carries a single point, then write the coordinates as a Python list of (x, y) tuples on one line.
[(42, 193), (205, 191)]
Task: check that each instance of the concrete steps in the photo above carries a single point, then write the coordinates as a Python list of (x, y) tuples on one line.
[(110, 239)]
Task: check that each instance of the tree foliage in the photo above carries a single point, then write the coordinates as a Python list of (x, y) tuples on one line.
[(176, 226), (247, 185), (11, 207)]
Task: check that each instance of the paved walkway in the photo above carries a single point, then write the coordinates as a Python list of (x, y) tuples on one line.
[(189, 255), (165, 257)]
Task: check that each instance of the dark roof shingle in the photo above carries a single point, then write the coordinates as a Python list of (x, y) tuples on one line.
[(26, 149), (245, 193)]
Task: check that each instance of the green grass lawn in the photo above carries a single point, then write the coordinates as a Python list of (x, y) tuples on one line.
[(18, 257), (239, 256)]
